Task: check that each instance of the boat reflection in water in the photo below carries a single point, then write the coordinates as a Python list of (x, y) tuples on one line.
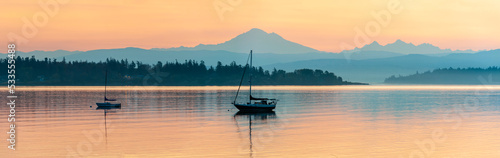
[(257, 122), (106, 111)]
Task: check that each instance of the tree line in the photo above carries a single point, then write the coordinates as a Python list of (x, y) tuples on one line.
[(51, 72), (490, 75)]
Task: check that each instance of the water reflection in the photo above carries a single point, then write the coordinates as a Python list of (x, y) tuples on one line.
[(329, 121), (258, 120), (107, 110)]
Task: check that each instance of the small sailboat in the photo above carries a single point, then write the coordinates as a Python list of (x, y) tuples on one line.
[(107, 102), (254, 104)]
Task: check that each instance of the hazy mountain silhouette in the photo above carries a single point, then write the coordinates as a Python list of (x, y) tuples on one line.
[(371, 63), (210, 57), (153, 56), (277, 50), (257, 40), (469, 76), (48, 54), (376, 70), (361, 55), (402, 47)]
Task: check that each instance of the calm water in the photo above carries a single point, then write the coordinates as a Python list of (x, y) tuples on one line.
[(324, 121)]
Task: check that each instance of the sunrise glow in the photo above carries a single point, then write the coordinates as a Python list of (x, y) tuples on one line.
[(319, 24)]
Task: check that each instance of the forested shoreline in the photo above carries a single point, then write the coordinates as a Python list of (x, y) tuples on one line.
[(50, 72)]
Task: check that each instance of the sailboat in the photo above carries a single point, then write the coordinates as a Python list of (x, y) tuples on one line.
[(254, 104), (107, 102)]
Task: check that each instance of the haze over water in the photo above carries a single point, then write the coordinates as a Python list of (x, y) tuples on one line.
[(309, 121)]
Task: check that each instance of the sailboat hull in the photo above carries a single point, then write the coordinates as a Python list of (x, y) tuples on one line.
[(108, 104), (107, 108), (255, 107)]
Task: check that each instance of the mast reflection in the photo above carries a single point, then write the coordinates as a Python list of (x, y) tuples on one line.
[(255, 119), (107, 110)]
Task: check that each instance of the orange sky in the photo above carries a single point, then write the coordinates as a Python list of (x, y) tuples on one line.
[(320, 24)]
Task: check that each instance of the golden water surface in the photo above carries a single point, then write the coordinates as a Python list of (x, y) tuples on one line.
[(309, 121)]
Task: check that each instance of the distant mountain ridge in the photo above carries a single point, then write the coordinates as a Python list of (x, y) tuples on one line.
[(402, 47), (376, 70), (371, 63), (257, 40), (48, 54), (260, 42), (153, 56)]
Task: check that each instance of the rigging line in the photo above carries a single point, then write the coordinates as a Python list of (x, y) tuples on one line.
[(241, 81)]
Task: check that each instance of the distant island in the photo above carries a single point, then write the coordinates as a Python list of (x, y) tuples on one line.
[(472, 76), (51, 72)]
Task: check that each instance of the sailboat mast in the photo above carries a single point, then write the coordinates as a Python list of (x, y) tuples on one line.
[(105, 84), (251, 67), (242, 77)]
